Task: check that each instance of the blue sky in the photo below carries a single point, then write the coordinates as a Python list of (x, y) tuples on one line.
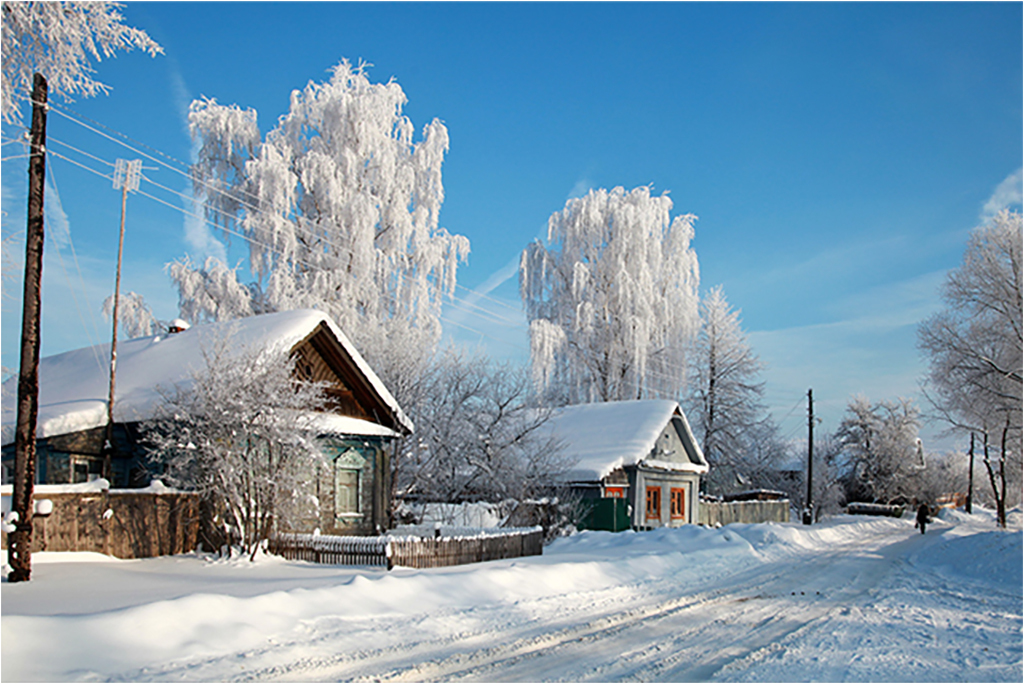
[(837, 155)]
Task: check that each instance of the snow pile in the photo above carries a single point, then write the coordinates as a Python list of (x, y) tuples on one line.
[(477, 515), (850, 599)]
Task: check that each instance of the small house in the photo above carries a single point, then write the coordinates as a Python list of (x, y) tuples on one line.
[(640, 453), (355, 433)]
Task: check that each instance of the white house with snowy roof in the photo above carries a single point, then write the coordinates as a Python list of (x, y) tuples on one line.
[(355, 432), (643, 452)]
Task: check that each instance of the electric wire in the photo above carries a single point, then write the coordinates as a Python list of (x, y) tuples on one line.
[(249, 239), (60, 259)]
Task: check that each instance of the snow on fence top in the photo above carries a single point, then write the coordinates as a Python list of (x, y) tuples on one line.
[(93, 487), (412, 533), (73, 386)]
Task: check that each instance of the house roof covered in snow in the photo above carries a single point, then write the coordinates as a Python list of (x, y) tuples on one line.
[(603, 437), (73, 386)]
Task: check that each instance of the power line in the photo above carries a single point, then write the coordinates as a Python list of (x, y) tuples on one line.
[(74, 297), (236, 193)]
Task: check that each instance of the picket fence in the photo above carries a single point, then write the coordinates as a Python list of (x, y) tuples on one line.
[(411, 552)]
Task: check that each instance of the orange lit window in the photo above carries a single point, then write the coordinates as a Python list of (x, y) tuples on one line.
[(678, 504), (615, 492), (654, 503)]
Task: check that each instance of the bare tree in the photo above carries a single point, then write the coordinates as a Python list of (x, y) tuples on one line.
[(975, 352), (60, 40), (477, 436), (827, 491), (881, 449), (725, 393), (242, 435)]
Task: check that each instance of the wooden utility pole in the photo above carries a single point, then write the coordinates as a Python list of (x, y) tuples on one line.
[(970, 477), (19, 542), (809, 510), (126, 178)]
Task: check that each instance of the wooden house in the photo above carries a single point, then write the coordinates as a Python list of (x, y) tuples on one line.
[(642, 453), (355, 433)]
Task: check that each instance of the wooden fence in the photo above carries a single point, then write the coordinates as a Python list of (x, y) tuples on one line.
[(715, 513), (410, 552), (122, 523)]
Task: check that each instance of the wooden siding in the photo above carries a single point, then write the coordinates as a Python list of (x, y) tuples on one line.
[(355, 395)]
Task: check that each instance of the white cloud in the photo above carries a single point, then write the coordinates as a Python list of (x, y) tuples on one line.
[(200, 238), (1006, 195)]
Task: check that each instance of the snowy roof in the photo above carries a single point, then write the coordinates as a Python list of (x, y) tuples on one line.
[(73, 386), (605, 436)]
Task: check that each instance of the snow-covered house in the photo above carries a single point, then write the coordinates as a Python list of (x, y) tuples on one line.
[(354, 433), (641, 451)]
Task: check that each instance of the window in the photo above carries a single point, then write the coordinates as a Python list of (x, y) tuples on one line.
[(615, 492), (348, 467), (346, 491), (654, 503), (678, 503)]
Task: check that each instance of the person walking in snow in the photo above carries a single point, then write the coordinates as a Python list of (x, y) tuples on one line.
[(922, 517)]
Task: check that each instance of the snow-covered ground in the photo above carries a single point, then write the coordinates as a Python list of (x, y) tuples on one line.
[(864, 599)]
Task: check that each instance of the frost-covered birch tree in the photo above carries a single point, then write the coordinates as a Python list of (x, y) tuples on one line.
[(134, 316), (60, 40), (974, 348), (881, 452), (240, 433), (340, 207), (725, 388), (612, 298)]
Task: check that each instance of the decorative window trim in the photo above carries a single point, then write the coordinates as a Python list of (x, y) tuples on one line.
[(349, 461), (677, 503), (653, 507)]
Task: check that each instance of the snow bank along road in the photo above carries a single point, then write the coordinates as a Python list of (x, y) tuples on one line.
[(852, 599)]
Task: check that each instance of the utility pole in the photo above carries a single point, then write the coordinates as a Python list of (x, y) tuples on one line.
[(809, 509), (970, 477), (126, 179), (19, 546)]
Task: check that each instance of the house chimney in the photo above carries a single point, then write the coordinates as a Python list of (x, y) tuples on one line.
[(177, 325)]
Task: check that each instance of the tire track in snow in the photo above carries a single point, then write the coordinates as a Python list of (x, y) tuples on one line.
[(770, 618)]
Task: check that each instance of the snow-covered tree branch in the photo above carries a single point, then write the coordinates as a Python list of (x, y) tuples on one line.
[(340, 208), (60, 40), (477, 435), (975, 352), (881, 449), (134, 316), (241, 434), (725, 390)]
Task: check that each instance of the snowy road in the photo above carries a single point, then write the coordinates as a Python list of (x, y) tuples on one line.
[(851, 600)]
